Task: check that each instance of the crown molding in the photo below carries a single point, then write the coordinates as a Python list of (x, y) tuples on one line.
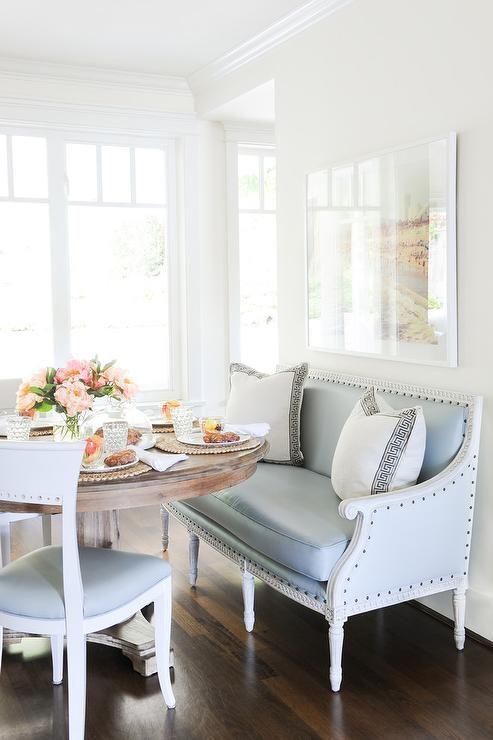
[(279, 32), (243, 132), (25, 69)]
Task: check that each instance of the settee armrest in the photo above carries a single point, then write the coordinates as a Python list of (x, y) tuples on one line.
[(407, 543)]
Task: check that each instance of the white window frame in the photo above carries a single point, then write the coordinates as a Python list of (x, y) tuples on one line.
[(246, 142), (58, 204)]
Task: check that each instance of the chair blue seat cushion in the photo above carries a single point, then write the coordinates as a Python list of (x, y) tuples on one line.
[(32, 586), (288, 514)]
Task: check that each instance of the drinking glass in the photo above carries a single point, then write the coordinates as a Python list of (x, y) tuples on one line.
[(115, 435), (18, 428), (182, 421)]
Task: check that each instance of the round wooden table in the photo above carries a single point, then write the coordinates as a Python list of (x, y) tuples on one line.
[(98, 505)]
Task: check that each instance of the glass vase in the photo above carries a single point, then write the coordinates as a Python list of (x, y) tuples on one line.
[(68, 428)]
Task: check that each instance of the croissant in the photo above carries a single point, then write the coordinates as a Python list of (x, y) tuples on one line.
[(217, 437)]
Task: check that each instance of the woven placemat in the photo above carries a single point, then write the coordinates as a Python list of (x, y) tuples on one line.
[(46, 432), (169, 443), (88, 477)]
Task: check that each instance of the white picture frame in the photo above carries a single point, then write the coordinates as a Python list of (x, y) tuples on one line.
[(381, 255)]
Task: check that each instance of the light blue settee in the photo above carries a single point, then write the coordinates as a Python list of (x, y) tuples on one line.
[(286, 526)]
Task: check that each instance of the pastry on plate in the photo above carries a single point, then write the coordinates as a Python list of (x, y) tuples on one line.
[(123, 457), (218, 437), (133, 436)]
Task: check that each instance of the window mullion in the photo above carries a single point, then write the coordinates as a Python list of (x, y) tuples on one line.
[(60, 262)]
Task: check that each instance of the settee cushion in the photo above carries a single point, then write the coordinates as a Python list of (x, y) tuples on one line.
[(326, 406), (288, 514)]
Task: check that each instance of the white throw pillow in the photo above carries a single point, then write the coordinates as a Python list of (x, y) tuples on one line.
[(275, 399), (380, 449)]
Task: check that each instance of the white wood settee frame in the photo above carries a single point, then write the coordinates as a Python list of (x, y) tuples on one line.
[(407, 544)]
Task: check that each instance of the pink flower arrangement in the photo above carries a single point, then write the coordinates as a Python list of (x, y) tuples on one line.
[(71, 390)]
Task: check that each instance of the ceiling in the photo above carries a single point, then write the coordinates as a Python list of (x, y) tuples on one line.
[(171, 37)]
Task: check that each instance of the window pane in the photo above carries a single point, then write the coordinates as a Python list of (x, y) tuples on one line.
[(258, 290), (116, 174), (119, 289), (30, 169), (342, 187), (248, 181), (150, 174), (4, 183), (270, 183), (25, 289), (82, 172)]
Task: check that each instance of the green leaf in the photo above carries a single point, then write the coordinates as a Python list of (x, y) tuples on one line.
[(108, 365), (43, 406), (36, 390), (50, 374)]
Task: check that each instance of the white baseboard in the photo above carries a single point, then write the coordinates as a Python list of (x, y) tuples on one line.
[(479, 610)]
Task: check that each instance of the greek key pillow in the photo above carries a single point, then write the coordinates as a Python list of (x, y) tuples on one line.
[(276, 399), (380, 449)]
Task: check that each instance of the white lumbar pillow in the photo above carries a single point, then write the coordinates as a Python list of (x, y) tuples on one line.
[(380, 449), (275, 399)]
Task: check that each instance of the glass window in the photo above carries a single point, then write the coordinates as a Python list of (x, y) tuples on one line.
[(29, 167), (150, 176), (249, 181), (82, 172), (25, 289), (115, 163)]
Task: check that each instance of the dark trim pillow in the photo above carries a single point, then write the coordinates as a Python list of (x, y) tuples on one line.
[(276, 399)]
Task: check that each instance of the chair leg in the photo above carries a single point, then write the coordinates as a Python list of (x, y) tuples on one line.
[(164, 527), (162, 626), (46, 524), (248, 588), (76, 664), (193, 555), (336, 637), (5, 541), (57, 642), (459, 602)]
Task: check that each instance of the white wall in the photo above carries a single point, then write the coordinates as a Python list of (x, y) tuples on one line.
[(375, 75)]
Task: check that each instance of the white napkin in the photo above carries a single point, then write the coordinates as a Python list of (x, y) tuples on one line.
[(256, 430), (160, 461), (3, 426)]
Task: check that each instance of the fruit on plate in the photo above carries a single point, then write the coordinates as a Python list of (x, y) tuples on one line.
[(93, 450), (167, 408)]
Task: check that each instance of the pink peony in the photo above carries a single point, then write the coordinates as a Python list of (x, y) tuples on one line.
[(76, 370), (26, 400), (127, 386), (39, 378), (73, 396)]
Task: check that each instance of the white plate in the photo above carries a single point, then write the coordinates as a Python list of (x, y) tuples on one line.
[(195, 438), (102, 468)]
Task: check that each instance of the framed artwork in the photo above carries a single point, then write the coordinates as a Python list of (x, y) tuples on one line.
[(381, 255)]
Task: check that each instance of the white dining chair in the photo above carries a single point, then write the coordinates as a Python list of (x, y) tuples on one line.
[(6, 519), (70, 591)]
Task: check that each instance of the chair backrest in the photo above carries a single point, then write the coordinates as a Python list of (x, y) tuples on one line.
[(329, 398), (47, 473)]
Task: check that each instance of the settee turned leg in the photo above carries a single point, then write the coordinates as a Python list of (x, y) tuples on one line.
[(164, 527), (193, 557), (459, 602), (336, 637), (248, 588)]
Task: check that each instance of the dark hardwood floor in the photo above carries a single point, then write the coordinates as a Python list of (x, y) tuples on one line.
[(403, 678)]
